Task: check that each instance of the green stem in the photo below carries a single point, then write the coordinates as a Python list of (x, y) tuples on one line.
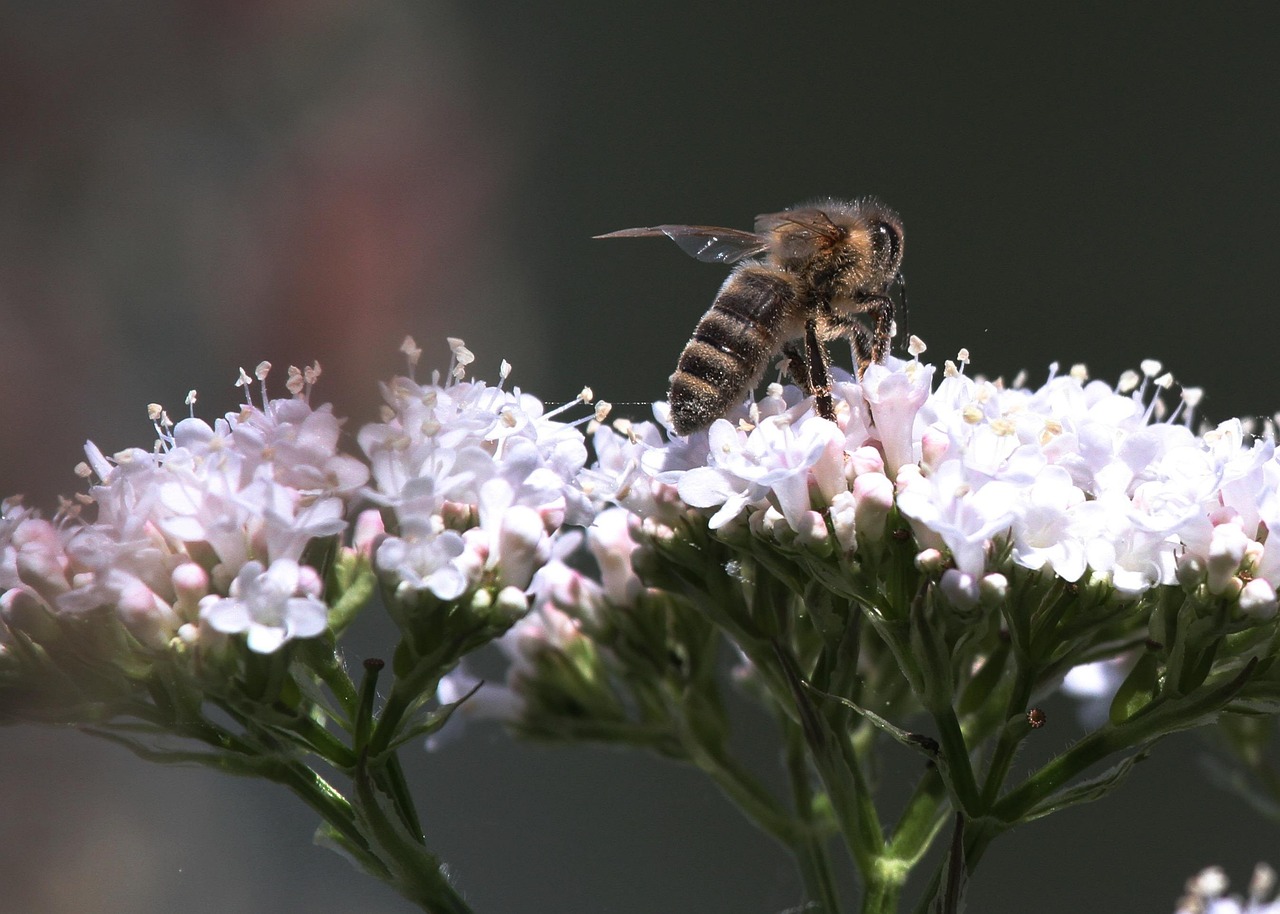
[(1156, 720), (840, 771), (414, 872), (811, 854), (1010, 737), (922, 818), (743, 789), (881, 896), (955, 752)]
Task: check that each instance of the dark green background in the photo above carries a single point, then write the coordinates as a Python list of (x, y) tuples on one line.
[(189, 187)]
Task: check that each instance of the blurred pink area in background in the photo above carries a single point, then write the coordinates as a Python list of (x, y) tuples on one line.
[(186, 188)]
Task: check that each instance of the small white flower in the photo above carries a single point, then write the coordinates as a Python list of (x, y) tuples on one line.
[(273, 605)]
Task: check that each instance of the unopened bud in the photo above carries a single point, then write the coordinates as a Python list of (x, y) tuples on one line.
[(960, 589), (511, 602), (1190, 571), (521, 540), (873, 499), (931, 562), (1258, 599), (811, 531), (994, 589), (1226, 551)]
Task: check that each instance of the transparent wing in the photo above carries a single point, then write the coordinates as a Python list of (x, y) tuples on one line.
[(813, 220), (708, 243)]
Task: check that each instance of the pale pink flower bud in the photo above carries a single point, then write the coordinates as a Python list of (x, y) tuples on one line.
[(843, 513), (934, 445), (1226, 550), (962, 589), (770, 524), (23, 611), (907, 476), (190, 584), (866, 459), (994, 589), (930, 561), (1190, 571), (609, 539), (873, 497), (811, 530), (41, 561), (522, 545), (369, 529), (148, 618), (1258, 599), (309, 582)]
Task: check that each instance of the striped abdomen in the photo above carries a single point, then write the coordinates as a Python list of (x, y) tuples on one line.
[(730, 347)]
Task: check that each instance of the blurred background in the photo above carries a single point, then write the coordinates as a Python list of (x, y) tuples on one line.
[(193, 186)]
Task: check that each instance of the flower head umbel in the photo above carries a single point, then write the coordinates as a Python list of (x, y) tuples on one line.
[(175, 527), (477, 477), (1073, 475)]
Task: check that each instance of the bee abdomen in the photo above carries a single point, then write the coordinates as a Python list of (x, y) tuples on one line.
[(730, 346)]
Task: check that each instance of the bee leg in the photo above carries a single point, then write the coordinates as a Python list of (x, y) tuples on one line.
[(819, 371), (880, 307), (797, 365), (868, 345)]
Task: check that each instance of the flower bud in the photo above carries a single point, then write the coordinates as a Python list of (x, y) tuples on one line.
[(148, 618), (961, 589), (843, 513), (369, 529), (521, 545), (23, 611), (1190, 571), (994, 589), (41, 561), (190, 585), (931, 562), (1226, 551), (811, 532), (770, 524), (609, 539), (934, 445), (1258, 600), (511, 603), (866, 459), (873, 498)]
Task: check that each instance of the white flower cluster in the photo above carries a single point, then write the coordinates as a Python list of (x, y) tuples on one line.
[(1074, 475), (203, 533), (561, 600), (1206, 893), (478, 478)]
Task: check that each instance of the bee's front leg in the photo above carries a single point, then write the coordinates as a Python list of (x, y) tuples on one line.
[(809, 365), (869, 345)]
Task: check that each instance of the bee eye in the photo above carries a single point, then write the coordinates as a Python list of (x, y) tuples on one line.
[(885, 242)]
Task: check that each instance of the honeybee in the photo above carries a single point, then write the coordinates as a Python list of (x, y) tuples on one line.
[(805, 276)]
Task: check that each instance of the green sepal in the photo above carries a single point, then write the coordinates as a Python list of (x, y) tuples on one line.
[(1139, 688)]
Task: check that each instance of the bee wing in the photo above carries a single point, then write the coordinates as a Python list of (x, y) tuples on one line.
[(707, 243), (813, 220)]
